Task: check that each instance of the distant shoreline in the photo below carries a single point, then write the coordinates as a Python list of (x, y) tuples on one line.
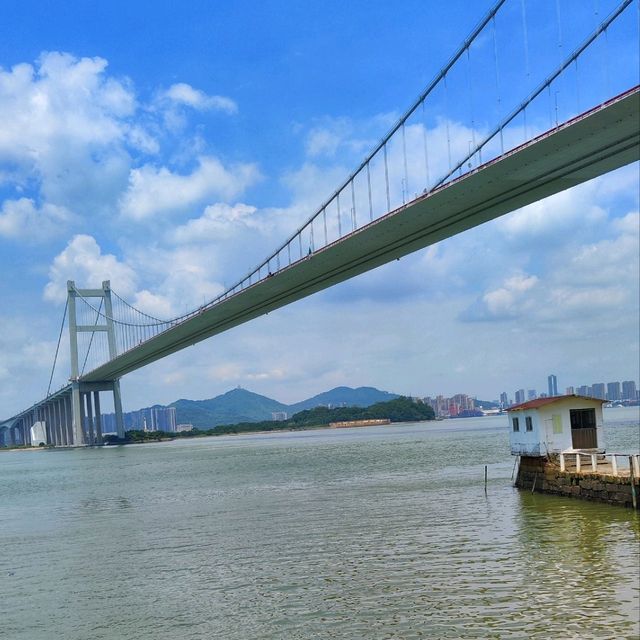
[(326, 427)]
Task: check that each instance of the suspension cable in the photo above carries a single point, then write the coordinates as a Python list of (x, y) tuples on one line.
[(532, 96), (55, 358), (142, 313), (382, 145)]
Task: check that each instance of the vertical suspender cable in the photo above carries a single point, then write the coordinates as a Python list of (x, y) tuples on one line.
[(369, 189), (426, 151), (471, 110), (525, 38), (446, 118), (495, 61), (560, 54), (405, 191), (55, 358), (353, 205), (324, 221), (386, 176), (339, 216)]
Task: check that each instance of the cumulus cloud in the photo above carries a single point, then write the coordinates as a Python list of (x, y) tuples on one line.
[(218, 221), (23, 219), (582, 283), (157, 190), (64, 123), (555, 218), (510, 300), (83, 261), (185, 94)]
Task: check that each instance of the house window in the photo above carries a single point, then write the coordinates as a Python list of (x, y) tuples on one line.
[(529, 423), (516, 424)]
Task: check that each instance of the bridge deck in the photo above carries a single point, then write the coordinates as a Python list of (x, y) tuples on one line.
[(599, 141)]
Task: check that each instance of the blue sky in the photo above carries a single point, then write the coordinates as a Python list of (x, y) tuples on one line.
[(171, 147)]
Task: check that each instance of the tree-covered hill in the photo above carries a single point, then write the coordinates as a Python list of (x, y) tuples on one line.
[(400, 409)]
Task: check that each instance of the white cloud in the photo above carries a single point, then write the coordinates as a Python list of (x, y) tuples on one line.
[(64, 127), (218, 221), (552, 219), (185, 94), (23, 219), (580, 285), (154, 190), (511, 300), (83, 261)]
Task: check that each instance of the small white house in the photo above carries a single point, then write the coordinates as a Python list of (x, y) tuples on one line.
[(552, 425)]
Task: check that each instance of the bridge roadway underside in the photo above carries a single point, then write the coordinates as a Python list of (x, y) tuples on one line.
[(600, 141)]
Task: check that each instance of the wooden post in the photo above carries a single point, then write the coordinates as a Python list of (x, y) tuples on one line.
[(485, 478), (533, 486), (634, 500)]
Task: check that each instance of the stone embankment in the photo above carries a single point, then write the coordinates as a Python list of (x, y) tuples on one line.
[(544, 475)]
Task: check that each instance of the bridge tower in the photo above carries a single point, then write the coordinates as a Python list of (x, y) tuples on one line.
[(85, 396)]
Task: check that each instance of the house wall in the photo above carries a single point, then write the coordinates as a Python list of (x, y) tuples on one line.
[(546, 436), (525, 442)]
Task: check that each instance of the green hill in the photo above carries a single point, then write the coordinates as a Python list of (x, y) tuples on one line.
[(344, 396), (240, 406), (237, 405)]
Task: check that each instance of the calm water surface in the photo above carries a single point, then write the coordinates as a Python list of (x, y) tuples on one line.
[(371, 533)]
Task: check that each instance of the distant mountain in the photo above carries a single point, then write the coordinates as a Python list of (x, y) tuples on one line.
[(360, 397), (240, 405), (237, 405)]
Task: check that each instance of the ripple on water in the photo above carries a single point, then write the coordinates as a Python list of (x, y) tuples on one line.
[(381, 535)]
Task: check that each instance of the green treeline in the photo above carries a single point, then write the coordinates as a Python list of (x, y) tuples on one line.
[(399, 410)]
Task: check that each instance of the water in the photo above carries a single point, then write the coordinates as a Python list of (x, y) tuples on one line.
[(370, 533)]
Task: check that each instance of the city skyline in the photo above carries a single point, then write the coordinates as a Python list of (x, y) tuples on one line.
[(172, 166), (624, 390)]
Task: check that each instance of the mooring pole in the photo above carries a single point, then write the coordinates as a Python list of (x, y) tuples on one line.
[(533, 486), (485, 478), (634, 500)]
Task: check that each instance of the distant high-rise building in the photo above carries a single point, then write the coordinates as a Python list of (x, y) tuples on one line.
[(519, 396), (279, 416), (613, 391), (628, 390), (504, 400), (585, 390), (531, 394), (552, 383), (569, 391), (598, 390)]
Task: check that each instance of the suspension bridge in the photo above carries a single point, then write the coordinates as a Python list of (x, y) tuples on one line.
[(572, 121)]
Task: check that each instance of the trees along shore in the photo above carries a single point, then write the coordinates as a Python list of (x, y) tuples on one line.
[(401, 409)]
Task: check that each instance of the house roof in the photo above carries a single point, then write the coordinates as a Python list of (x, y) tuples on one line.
[(541, 402)]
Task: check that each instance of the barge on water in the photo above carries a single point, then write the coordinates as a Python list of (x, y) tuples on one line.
[(560, 444), (359, 423)]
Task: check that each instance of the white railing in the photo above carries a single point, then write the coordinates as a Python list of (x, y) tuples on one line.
[(592, 462)]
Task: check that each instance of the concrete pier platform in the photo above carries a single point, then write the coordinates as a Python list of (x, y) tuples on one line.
[(545, 475)]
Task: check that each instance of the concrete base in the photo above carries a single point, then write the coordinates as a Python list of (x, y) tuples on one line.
[(543, 475)]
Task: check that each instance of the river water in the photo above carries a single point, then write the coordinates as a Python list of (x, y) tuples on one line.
[(369, 533)]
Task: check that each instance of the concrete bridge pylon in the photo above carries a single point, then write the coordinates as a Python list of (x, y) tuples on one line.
[(86, 423)]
